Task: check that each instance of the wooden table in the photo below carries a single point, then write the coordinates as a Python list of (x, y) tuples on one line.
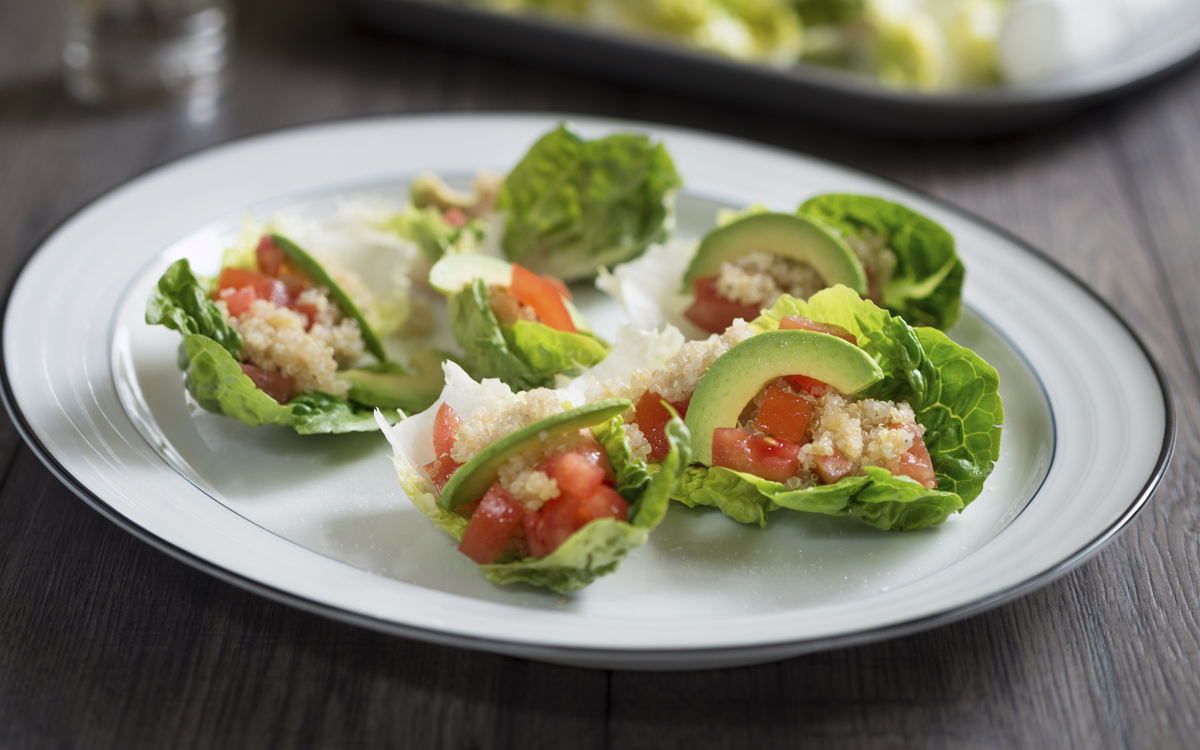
[(106, 642)]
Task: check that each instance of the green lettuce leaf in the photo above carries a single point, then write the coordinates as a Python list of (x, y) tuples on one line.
[(925, 287), (572, 205), (953, 392), (180, 302), (523, 355), (209, 358)]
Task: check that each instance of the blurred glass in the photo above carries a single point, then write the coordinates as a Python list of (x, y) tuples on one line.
[(148, 51)]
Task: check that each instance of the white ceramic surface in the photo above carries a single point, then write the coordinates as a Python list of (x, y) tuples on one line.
[(319, 522)]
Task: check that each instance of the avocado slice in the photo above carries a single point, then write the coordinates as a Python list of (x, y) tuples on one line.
[(799, 238), (740, 373), (452, 274), (389, 386), (309, 266), (474, 478)]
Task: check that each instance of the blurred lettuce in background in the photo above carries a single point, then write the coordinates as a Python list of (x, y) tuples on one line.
[(922, 44)]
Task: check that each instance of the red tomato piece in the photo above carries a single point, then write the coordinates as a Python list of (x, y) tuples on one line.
[(714, 313), (546, 530), (761, 456), (811, 386), (563, 290), (541, 295), (308, 311), (492, 525), (574, 472), (445, 427), (603, 503), (784, 415), (440, 469), (264, 286), (275, 384), (597, 455), (916, 463), (832, 468), (651, 416), (237, 301), (793, 322), (270, 256), (454, 216)]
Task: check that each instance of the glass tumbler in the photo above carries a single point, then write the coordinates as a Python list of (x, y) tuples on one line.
[(148, 51)]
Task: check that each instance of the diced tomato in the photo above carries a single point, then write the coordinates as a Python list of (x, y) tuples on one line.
[(454, 216), (541, 295), (270, 256), (832, 468), (574, 473), (761, 456), (546, 530), (445, 427), (275, 384), (916, 463), (237, 301), (492, 525), (264, 286), (811, 386), (652, 416), (309, 311), (440, 470), (793, 322), (603, 503), (563, 290), (597, 455), (714, 313), (784, 415)]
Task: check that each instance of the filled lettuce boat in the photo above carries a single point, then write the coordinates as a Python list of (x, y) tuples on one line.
[(885, 252), (567, 208), (829, 406), (275, 338), (535, 489), (513, 324)]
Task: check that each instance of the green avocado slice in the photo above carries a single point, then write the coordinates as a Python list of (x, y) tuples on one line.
[(799, 238), (474, 478), (740, 373), (309, 266), (389, 386)]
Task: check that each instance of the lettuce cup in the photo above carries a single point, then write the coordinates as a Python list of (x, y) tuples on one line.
[(568, 207), (513, 324), (535, 489), (285, 337), (885, 252), (830, 406)]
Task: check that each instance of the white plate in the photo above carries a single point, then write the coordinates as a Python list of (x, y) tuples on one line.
[(320, 523)]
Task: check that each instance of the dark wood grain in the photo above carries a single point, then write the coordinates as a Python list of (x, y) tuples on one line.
[(105, 642)]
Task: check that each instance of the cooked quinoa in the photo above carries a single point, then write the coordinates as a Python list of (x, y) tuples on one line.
[(759, 278), (487, 425), (677, 379), (274, 338)]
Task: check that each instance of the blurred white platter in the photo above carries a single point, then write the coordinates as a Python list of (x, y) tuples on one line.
[(320, 522)]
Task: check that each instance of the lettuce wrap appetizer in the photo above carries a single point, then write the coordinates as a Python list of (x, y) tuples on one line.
[(513, 324), (440, 220), (275, 338), (567, 208), (535, 489), (829, 406), (883, 251)]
